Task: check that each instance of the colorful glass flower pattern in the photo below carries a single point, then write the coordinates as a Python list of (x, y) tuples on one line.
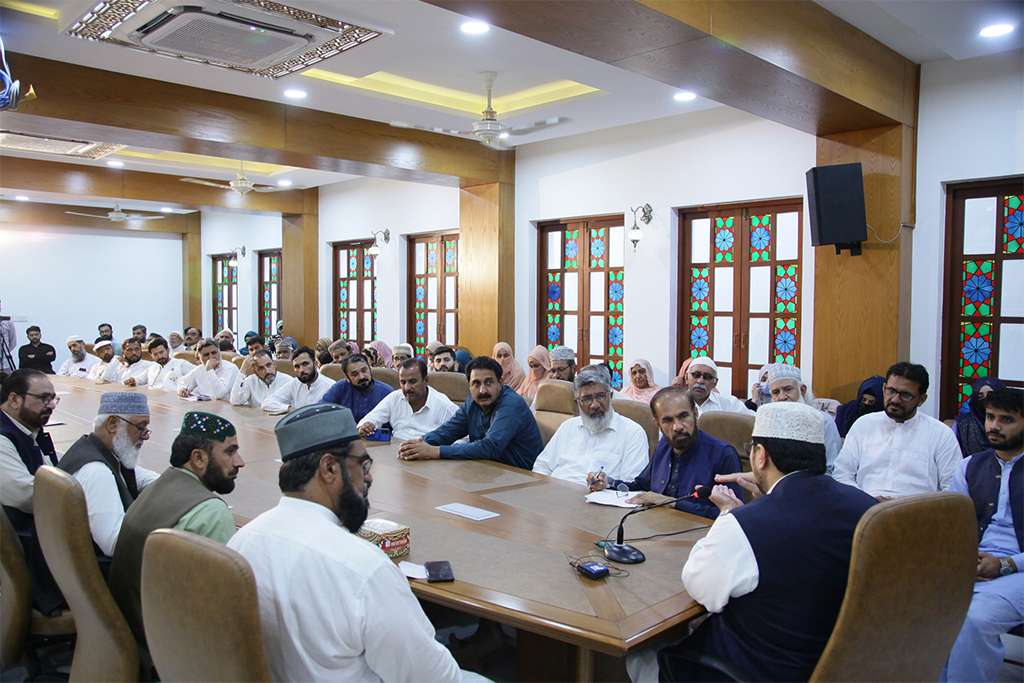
[(554, 291), (785, 340), (616, 290), (724, 239), (978, 285), (572, 249), (1013, 224), (700, 336), (451, 256), (353, 264), (975, 349), (761, 238), (700, 289), (787, 288), (421, 293), (965, 394), (597, 247)]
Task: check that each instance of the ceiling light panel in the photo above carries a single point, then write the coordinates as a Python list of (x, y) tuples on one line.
[(39, 144)]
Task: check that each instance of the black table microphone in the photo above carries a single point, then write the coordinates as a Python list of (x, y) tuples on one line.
[(624, 553)]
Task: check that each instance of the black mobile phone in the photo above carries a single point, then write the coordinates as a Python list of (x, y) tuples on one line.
[(439, 572)]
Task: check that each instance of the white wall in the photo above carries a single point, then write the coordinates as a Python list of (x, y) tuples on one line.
[(970, 127), (710, 157), (351, 210), (69, 280), (223, 232)]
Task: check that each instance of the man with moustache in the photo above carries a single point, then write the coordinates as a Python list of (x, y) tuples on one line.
[(139, 333), (684, 458), (193, 335), (332, 606), (414, 409), (444, 360), (213, 378), (994, 480), (204, 463), (36, 355), (80, 362), (129, 368), (104, 463), (307, 387), (175, 342), (400, 354), (701, 379), (900, 451), (104, 350), (165, 371), (785, 384), (339, 350), (563, 364), (257, 379), (597, 440), (359, 391), (106, 331), (27, 402)]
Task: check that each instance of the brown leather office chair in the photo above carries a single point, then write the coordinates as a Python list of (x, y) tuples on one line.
[(190, 356), (333, 371), (454, 385), (106, 649), (206, 630), (238, 360), (89, 347), (284, 366), (553, 405), (733, 428), (18, 620), (387, 375), (640, 412), (146, 355)]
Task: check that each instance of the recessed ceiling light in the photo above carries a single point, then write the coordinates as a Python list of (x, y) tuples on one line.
[(284, 183), (475, 27), (115, 164), (167, 209), (295, 94), (21, 198), (996, 30), (684, 96)]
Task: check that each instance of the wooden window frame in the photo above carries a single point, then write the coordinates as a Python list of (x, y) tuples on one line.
[(443, 306), (263, 309), (230, 305), (360, 337)]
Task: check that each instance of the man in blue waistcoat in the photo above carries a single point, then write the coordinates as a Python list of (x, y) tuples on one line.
[(773, 573), (994, 479)]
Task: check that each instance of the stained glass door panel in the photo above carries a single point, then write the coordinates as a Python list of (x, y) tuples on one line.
[(225, 294), (355, 292), (270, 292), (434, 290)]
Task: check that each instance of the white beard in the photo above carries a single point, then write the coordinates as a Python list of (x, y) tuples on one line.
[(596, 425), (125, 450)]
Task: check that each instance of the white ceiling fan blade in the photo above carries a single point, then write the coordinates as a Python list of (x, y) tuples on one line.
[(197, 181), (271, 188), (538, 125), (87, 215), (144, 218), (429, 129)]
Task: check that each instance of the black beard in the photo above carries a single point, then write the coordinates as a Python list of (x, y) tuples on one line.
[(217, 481), (351, 508)]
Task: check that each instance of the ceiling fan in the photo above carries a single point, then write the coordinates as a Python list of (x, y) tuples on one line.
[(241, 184), (489, 128), (117, 215)]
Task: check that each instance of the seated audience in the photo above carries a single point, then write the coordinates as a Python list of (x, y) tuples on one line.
[(684, 458), (597, 440), (226, 340), (512, 374), (36, 355), (760, 393), (106, 331), (204, 463), (253, 343), (332, 606), (702, 378), (539, 363), (431, 348), (165, 371), (563, 364), (80, 362), (869, 400), (901, 451), (994, 480), (444, 360), (324, 358), (400, 354), (772, 573), (372, 357), (414, 409), (642, 387), (497, 421), (139, 333), (339, 351), (462, 358), (212, 378), (175, 342), (283, 349), (384, 351), (104, 463), (359, 391), (257, 379), (104, 350), (128, 368), (322, 344), (969, 427), (308, 386), (786, 384), (27, 402), (193, 335)]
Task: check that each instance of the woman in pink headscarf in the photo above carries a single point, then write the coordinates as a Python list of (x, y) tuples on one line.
[(511, 371), (680, 379), (642, 388), (383, 350), (539, 361)]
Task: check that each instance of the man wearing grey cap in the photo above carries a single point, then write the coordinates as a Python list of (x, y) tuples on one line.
[(786, 384), (332, 605), (80, 362), (104, 461), (771, 573)]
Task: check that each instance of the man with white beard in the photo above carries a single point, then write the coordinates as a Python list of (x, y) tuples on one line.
[(80, 362), (786, 384), (598, 440), (175, 342), (104, 461), (104, 350), (165, 371)]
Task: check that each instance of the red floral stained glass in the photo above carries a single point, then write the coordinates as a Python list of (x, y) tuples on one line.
[(975, 349), (700, 289), (432, 258), (724, 239), (787, 288), (700, 336), (978, 285), (1013, 224), (761, 238), (597, 247), (451, 256)]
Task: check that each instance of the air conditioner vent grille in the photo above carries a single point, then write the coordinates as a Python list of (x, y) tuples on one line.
[(223, 40), (39, 144)]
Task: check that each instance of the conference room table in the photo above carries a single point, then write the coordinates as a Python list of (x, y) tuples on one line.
[(513, 568)]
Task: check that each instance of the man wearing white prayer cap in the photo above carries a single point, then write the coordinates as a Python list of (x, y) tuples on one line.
[(772, 573), (80, 362), (104, 350), (785, 383), (701, 379)]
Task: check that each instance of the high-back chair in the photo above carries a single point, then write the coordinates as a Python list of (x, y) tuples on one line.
[(640, 412), (190, 356), (18, 620), (553, 405), (238, 360), (206, 630), (454, 385), (387, 375), (733, 428), (284, 366), (106, 649), (333, 371)]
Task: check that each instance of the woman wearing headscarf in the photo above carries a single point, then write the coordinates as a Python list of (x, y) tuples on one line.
[(512, 372), (321, 344), (642, 387), (970, 426), (462, 357), (539, 362), (869, 400), (372, 356), (383, 350), (761, 392), (680, 379)]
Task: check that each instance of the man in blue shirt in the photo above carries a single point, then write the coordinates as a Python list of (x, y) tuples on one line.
[(994, 480), (498, 422), (684, 459), (360, 392)]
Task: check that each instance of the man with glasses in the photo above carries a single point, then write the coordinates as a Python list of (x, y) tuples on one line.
[(563, 364), (104, 463), (28, 399), (701, 379), (332, 606), (597, 440), (900, 451)]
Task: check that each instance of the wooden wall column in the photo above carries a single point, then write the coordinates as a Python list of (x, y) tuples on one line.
[(300, 265), (192, 275)]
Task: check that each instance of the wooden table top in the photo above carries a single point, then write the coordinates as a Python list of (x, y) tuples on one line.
[(513, 568)]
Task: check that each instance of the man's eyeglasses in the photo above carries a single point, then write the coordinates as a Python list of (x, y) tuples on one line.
[(366, 462), (600, 398), (45, 399), (707, 376), (905, 396), (143, 432)]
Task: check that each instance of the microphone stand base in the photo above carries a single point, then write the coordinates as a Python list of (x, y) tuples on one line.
[(623, 554)]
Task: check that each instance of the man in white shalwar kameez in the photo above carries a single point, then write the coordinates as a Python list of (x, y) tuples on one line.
[(213, 379), (128, 368)]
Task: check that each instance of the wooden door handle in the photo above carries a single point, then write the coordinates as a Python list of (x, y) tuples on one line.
[(743, 340)]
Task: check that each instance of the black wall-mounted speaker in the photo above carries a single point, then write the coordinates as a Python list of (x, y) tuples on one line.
[(835, 196)]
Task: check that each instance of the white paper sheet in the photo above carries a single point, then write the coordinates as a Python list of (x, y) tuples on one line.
[(413, 570), (613, 498), (467, 511)]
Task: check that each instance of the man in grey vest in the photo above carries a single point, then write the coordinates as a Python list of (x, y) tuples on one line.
[(204, 462)]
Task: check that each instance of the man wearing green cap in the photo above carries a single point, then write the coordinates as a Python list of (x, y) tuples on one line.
[(204, 463)]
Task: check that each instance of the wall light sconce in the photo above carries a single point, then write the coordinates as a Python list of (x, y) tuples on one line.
[(374, 250), (635, 233), (233, 261)]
